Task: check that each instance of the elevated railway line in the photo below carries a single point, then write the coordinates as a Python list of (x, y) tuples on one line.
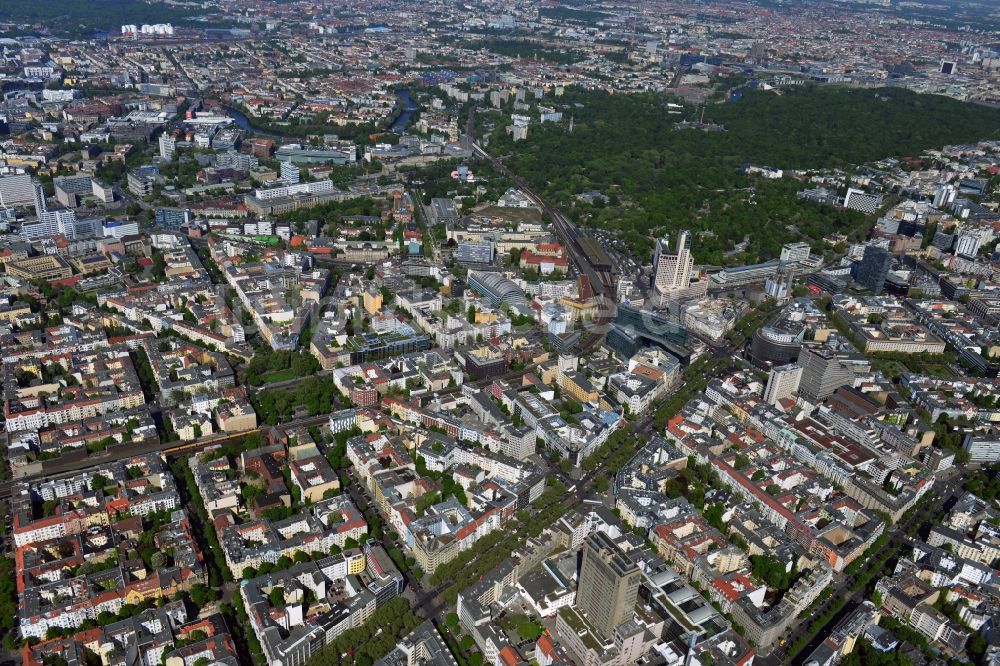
[(585, 252)]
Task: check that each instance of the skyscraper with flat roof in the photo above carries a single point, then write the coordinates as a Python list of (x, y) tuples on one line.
[(38, 194), (782, 382), (289, 173), (168, 146), (609, 584), (672, 264), (874, 268), (824, 370)]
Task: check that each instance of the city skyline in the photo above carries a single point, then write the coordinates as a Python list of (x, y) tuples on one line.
[(465, 334)]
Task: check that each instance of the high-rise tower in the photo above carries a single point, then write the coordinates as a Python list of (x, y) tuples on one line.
[(609, 584), (672, 265)]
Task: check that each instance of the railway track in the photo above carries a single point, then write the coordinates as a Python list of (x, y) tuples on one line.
[(122, 452), (601, 279)]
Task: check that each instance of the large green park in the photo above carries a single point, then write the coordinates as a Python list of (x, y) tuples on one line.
[(658, 178)]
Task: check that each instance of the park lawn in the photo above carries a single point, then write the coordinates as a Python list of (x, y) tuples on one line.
[(890, 368), (278, 376), (937, 370), (894, 368)]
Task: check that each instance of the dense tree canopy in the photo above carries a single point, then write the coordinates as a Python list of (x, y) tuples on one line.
[(278, 365), (316, 394), (8, 596), (817, 127), (373, 639), (985, 485), (773, 572), (658, 179), (78, 17), (866, 655)]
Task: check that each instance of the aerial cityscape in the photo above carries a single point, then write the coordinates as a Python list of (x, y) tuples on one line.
[(579, 332)]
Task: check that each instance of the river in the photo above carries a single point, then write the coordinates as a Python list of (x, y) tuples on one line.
[(241, 119), (398, 125), (409, 108)]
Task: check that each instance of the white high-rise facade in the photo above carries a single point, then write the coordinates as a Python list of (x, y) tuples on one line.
[(944, 195), (967, 244), (672, 265), (782, 382), (289, 173), (168, 146), (50, 223), (795, 252)]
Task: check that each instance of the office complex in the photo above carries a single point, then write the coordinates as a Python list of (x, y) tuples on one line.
[(782, 382), (59, 222), (609, 583), (982, 448), (795, 252), (777, 343), (968, 244), (172, 218), (70, 191), (497, 289), (874, 268), (142, 180), (824, 370), (862, 201), (309, 155), (474, 252), (17, 190), (635, 328)]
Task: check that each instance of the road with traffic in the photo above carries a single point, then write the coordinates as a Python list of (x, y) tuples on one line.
[(945, 492)]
